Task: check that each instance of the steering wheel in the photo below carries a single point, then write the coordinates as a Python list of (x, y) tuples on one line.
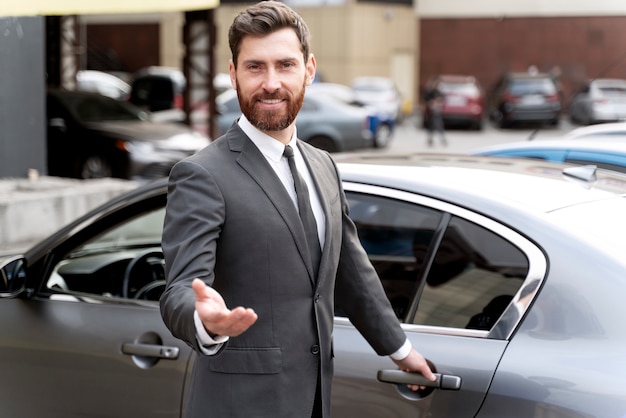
[(151, 291), (136, 265)]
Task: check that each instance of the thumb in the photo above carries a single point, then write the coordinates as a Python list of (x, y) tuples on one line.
[(200, 289)]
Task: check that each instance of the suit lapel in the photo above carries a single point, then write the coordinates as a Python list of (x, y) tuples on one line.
[(254, 163)]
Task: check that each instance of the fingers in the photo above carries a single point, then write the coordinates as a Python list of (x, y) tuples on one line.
[(216, 317)]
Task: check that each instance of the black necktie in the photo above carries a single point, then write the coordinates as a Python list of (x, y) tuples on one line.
[(306, 212)]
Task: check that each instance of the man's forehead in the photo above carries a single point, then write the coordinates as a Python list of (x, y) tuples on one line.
[(282, 42)]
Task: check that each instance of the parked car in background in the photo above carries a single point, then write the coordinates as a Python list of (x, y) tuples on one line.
[(159, 90), (322, 122), (104, 83), (507, 275), (609, 129), (463, 101), (602, 100), (382, 124), (605, 153), (525, 98), (380, 92), (93, 136)]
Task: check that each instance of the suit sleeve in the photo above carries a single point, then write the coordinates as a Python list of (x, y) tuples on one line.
[(359, 292), (193, 221)]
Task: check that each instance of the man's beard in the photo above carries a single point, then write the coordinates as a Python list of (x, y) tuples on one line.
[(271, 120)]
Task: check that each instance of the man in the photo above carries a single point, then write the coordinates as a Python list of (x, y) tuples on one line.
[(243, 288)]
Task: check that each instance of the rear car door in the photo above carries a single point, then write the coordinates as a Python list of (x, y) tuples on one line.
[(82, 345), (450, 276)]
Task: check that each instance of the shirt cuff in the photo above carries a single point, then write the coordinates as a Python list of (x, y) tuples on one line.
[(208, 345), (403, 351)]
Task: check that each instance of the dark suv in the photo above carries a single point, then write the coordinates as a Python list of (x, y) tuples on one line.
[(525, 97), (157, 89)]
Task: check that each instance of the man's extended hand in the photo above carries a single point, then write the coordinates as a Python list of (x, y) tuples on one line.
[(416, 363), (217, 319)]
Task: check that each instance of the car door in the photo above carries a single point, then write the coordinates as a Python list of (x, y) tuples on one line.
[(450, 276), (81, 346)]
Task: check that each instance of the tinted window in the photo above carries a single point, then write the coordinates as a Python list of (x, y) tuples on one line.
[(473, 277), (465, 279), (388, 230)]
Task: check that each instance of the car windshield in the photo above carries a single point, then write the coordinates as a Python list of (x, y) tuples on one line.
[(95, 108)]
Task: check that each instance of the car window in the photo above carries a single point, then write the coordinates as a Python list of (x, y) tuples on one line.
[(471, 274), (468, 89), (532, 86), (388, 230), (608, 162), (473, 277), (124, 262)]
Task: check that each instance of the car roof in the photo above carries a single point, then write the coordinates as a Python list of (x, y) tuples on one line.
[(608, 81), (612, 145), (528, 75), (517, 182), (612, 128), (452, 78)]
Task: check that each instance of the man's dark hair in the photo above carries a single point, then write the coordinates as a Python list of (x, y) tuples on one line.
[(264, 18)]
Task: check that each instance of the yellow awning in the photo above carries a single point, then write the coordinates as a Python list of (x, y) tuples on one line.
[(81, 7)]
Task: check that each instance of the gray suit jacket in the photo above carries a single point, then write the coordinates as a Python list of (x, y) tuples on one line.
[(230, 222)]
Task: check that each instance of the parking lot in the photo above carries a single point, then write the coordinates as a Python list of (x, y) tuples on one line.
[(410, 137)]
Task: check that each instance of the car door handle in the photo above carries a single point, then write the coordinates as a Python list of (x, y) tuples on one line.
[(150, 350), (443, 381)]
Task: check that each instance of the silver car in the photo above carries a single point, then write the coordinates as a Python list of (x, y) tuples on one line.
[(323, 122), (507, 274), (602, 100)]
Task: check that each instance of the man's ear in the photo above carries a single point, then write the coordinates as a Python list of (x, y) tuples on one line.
[(233, 74), (311, 67)]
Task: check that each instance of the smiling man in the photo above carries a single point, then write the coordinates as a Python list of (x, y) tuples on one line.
[(258, 244)]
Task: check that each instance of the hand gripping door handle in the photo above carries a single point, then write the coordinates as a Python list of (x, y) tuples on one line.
[(443, 381), (150, 350)]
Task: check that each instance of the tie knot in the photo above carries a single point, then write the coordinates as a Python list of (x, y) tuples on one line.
[(288, 151)]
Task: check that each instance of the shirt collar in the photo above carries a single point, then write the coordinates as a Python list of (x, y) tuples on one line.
[(270, 147)]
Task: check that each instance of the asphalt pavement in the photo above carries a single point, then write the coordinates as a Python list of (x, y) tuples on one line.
[(410, 137)]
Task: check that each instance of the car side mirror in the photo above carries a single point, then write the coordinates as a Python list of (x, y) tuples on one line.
[(57, 123), (12, 276)]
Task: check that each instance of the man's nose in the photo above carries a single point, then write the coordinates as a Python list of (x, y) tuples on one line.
[(271, 83)]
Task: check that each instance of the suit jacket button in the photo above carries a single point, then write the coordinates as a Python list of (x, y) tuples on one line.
[(317, 297), (315, 349)]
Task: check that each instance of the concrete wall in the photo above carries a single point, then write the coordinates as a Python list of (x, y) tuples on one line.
[(31, 209)]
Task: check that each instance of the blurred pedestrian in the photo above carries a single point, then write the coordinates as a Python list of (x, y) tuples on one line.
[(434, 102)]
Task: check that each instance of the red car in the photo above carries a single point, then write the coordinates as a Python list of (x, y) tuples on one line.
[(463, 101)]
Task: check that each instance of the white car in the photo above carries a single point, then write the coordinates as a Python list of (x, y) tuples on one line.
[(103, 83), (603, 100), (603, 130), (380, 92)]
